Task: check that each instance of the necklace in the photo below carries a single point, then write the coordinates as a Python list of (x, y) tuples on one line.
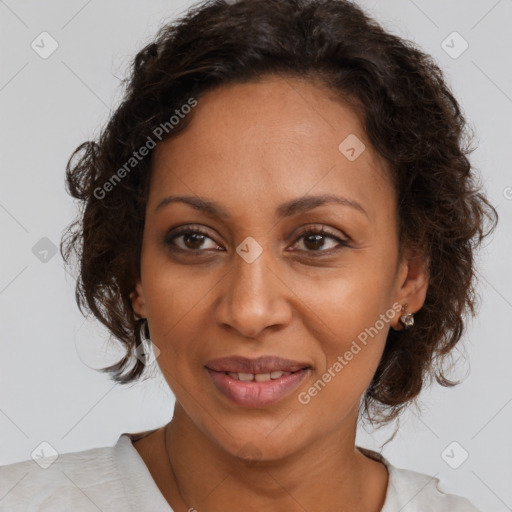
[(190, 509)]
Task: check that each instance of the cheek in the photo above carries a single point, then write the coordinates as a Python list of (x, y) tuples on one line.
[(175, 306), (351, 313), (350, 350), (173, 292), (348, 300)]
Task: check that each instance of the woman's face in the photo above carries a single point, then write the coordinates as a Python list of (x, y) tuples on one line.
[(269, 336)]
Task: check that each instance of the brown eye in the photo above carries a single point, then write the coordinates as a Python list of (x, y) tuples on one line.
[(321, 241), (190, 240)]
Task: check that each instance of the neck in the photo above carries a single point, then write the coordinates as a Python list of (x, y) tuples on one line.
[(329, 474)]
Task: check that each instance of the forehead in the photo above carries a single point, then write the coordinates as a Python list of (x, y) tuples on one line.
[(272, 139)]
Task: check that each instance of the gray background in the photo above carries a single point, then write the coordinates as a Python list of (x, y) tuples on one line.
[(48, 391)]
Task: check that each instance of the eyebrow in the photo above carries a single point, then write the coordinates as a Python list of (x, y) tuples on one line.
[(293, 207)]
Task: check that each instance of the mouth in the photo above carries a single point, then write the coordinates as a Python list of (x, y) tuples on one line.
[(257, 366), (258, 377), (256, 382)]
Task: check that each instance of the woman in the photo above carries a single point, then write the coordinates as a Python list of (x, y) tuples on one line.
[(284, 206)]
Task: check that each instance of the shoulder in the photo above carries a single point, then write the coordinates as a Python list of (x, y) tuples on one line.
[(78, 481), (417, 492), (424, 492)]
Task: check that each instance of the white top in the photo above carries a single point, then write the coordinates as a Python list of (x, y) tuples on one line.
[(116, 479)]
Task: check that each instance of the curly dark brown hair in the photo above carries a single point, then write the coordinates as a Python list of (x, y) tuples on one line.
[(409, 114)]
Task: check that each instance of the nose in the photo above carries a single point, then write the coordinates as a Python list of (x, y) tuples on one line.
[(253, 297)]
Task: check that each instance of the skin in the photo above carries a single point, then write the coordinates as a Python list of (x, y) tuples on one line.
[(251, 147)]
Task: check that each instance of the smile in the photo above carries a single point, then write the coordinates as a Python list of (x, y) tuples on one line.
[(258, 377)]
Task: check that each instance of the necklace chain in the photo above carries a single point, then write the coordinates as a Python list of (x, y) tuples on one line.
[(172, 469)]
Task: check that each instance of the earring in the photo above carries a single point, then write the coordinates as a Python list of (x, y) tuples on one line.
[(406, 319), (145, 329)]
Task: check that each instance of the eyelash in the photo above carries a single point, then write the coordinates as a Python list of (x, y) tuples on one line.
[(307, 232)]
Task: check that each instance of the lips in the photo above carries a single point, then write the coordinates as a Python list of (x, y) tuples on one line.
[(256, 382), (258, 377), (259, 365)]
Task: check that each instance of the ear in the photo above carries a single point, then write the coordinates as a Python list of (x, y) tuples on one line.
[(138, 301), (412, 282)]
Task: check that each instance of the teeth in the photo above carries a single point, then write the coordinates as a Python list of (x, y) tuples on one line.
[(258, 377)]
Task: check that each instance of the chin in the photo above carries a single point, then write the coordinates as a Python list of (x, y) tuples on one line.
[(262, 442)]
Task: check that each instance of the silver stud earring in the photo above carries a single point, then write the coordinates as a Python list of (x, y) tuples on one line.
[(406, 319)]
